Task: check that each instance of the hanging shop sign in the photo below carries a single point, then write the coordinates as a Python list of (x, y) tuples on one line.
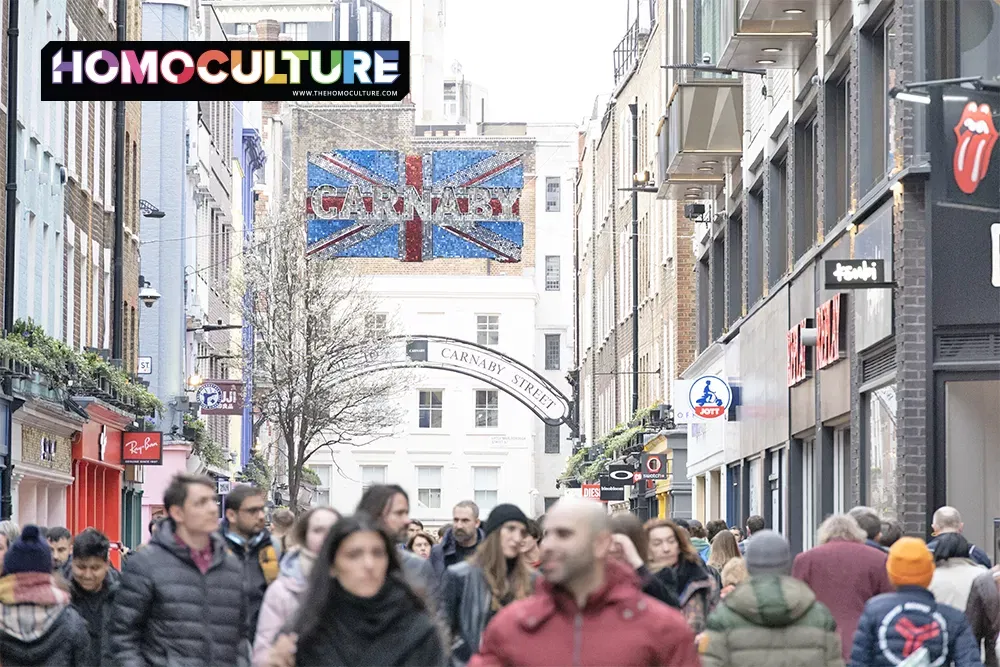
[(709, 397), (610, 492), (799, 366), (591, 491), (221, 397), (620, 474), (855, 274), (654, 466), (831, 333), (144, 448), (967, 135)]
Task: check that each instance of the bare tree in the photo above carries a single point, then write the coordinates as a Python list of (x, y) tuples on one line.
[(318, 329)]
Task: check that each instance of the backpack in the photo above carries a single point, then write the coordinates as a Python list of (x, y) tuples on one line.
[(269, 558)]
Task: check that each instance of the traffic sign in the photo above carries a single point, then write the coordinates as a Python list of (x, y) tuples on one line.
[(710, 397), (145, 366), (223, 487)]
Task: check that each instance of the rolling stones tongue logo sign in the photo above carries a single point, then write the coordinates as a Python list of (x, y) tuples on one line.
[(976, 136)]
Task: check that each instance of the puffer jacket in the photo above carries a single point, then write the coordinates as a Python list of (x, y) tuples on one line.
[(983, 612), (895, 625), (771, 620), (168, 613), (38, 627), (259, 552), (281, 602)]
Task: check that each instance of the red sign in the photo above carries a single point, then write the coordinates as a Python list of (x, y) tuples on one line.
[(799, 355), (592, 491), (831, 333), (143, 448)]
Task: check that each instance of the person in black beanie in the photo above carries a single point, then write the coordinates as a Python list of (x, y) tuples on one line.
[(472, 592), (38, 626)]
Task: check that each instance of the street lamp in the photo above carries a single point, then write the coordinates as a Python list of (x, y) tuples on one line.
[(147, 294), (149, 210)]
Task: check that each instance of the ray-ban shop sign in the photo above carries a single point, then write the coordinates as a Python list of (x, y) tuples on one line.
[(227, 71), (855, 273), (144, 448)]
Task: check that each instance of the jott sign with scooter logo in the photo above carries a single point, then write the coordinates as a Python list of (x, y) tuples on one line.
[(710, 396)]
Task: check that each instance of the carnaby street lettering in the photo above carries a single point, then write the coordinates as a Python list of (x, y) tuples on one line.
[(537, 393), (473, 359), (435, 205), (503, 374)]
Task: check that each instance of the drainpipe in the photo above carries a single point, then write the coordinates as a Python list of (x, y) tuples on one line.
[(6, 480), (634, 109), (117, 280)]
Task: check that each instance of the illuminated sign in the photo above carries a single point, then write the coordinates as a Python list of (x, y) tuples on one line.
[(831, 333)]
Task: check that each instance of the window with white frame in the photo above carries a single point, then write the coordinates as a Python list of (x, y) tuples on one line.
[(552, 438), (486, 486), (377, 324), (488, 329), (297, 31), (429, 486), (552, 273), (244, 29), (430, 408), (372, 475), (487, 408), (553, 188), (553, 349), (322, 496), (841, 468)]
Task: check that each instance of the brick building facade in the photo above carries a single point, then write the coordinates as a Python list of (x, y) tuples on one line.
[(90, 198)]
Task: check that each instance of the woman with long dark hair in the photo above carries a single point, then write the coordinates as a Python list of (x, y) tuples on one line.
[(631, 546), (358, 611), (496, 575), (697, 590)]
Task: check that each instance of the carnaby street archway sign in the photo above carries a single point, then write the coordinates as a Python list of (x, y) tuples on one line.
[(496, 369)]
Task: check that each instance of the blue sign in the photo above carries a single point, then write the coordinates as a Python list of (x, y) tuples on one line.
[(209, 396), (710, 396)]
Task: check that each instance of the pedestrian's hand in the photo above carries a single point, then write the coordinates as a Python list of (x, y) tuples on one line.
[(283, 651), (628, 550)]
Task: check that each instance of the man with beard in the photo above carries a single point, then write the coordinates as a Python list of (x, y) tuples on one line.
[(461, 541), (585, 598), (389, 505)]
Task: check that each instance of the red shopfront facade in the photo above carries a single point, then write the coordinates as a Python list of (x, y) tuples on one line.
[(96, 495)]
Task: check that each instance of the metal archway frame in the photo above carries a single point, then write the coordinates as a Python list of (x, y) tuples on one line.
[(494, 368)]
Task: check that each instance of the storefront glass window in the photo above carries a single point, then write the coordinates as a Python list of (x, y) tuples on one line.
[(979, 38), (881, 416), (755, 508)]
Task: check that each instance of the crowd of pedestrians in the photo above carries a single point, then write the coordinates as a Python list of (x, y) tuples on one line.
[(576, 586)]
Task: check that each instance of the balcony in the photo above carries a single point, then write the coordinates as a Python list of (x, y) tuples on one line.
[(704, 137), (773, 34)]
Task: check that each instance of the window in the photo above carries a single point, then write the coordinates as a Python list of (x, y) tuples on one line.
[(553, 188), (553, 347), (376, 324), (777, 236), (804, 231), (488, 329), (734, 260), (838, 189), (552, 438), (755, 247), (552, 273), (486, 484), (718, 282), (429, 487), (841, 468), (882, 79), (704, 306), (487, 408), (297, 31), (430, 408), (245, 29), (880, 425), (810, 498), (322, 496), (372, 475)]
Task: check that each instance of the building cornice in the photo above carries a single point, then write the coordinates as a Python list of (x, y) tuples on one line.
[(49, 417), (24, 470)]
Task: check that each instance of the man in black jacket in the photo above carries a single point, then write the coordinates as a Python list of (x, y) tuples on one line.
[(181, 601), (248, 540), (461, 541), (93, 586)]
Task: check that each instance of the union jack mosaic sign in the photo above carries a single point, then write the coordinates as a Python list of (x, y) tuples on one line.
[(447, 203)]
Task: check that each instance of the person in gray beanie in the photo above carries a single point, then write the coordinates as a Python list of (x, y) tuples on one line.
[(772, 618)]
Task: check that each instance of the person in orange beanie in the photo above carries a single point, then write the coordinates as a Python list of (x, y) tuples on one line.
[(896, 625)]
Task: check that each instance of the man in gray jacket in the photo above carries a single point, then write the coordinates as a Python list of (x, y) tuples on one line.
[(390, 506)]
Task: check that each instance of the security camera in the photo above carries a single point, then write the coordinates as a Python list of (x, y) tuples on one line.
[(149, 296), (706, 59)]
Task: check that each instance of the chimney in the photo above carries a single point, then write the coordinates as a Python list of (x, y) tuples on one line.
[(268, 30)]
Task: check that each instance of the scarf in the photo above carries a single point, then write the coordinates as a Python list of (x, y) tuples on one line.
[(30, 602), (379, 631), (951, 545)]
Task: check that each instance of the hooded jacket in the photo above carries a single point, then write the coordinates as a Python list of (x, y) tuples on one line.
[(168, 613), (618, 625), (702, 546), (769, 620), (894, 625), (258, 554), (281, 602), (975, 554), (95, 609), (954, 571), (38, 627)]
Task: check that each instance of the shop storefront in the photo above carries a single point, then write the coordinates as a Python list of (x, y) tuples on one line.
[(176, 455), (95, 498), (132, 492), (41, 441)]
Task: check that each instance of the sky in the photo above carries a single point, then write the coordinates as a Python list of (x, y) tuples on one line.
[(540, 60)]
